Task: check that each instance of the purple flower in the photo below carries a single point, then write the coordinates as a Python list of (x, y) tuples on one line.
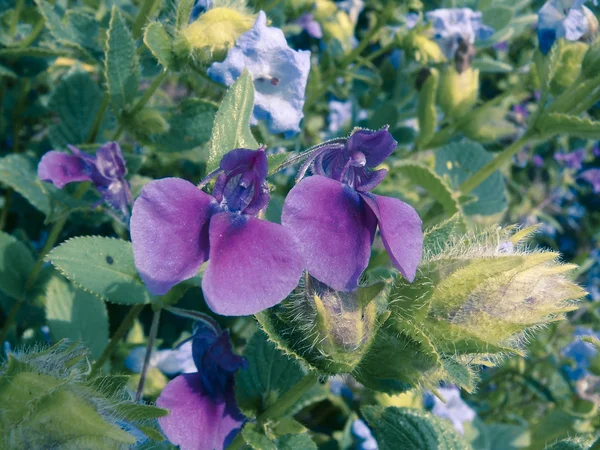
[(537, 161), (106, 171), (280, 75), (334, 216), (572, 160), (596, 150), (310, 25), (175, 227), (203, 410), (592, 176)]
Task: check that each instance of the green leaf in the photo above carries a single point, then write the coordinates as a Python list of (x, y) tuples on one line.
[(435, 239), (59, 30), (75, 314), (256, 439), (270, 374), (16, 263), (570, 444), (122, 71), (159, 43), (184, 9), (6, 72), (426, 111), (497, 17), (410, 429), (458, 162), (189, 127), (135, 412), (103, 266), (276, 160), (489, 65), (423, 176), (231, 128), (76, 101), (19, 172), (296, 442), (556, 123)]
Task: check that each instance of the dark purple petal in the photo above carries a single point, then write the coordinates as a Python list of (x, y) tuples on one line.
[(118, 195), (255, 160), (62, 168), (592, 176), (110, 162), (253, 265), (169, 232), (310, 25), (376, 145), (401, 232), (367, 180), (334, 227), (196, 420)]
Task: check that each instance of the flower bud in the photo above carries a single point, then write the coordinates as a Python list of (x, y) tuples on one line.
[(330, 330), (458, 92), (590, 66), (568, 66), (423, 49), (214, 32), (335, 22)]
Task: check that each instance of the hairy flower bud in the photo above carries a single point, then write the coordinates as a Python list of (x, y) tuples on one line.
[(458, 92), (330, 330), (569, 65)]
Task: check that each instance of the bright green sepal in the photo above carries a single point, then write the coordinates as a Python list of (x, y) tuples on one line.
[(426, 111), (551, 124), (158, 41)]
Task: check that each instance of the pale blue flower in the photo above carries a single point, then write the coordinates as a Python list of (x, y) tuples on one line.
[(353, 8), (279, 73), (455, 409), (567, 19), (340, 115), (451, 26), (580, 353), (363, 436), (169, 362)]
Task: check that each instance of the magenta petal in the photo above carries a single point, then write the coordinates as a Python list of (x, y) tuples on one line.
[(197, 421), (401, 232), (375, 145), (253, 265), (169, 232), (62, 168), (334, 227)]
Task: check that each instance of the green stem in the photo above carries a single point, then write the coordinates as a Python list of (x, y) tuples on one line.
[(503, 158), (151, 340), (91, 137), (146, 11), (278, 409), (37, 30), (143, 100), (117, 337), (16, 16), (35, 272), (4, 214)]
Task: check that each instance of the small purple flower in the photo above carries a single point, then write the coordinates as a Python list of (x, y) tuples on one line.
[(572, 160), (106, 171), (592, 176), (596, 150), (308, 23), (176, 227), (454, 409), (334, 217), (203, 412), (280, 75), (537, 161)]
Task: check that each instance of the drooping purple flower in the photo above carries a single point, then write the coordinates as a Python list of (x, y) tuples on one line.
[(572, 160), (203, 412), (592, 176), (334, 217), (308, 23), (176, 227), (106, 170)]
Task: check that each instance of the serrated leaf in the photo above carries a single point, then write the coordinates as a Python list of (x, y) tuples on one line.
[(423, 176), (458, 162), (135, 412), (103, 266), (270, 374), (158, 42), (436, 239), (75, 314), (256, 439), (189, 127), (16, 263), (410, 429), (184, 9), (556, 123), (122, 71), (59, 30), (19, 172), (76, 101), (231, 128)]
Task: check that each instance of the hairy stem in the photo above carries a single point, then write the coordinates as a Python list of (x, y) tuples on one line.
[(149, 347), (278, 409)]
